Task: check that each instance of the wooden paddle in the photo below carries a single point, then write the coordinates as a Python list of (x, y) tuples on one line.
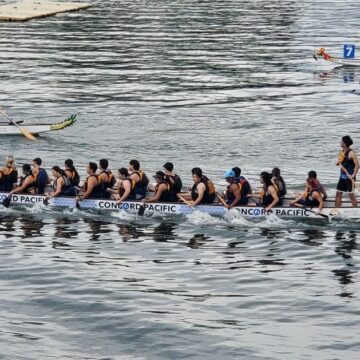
[(221, 200), (350, 178), (23, 130), (310, 210), (185, 201)]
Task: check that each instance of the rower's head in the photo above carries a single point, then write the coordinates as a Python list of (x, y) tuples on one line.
[(123, 173), (10, 160), (265, 178), (168, 167), (91, 168), (104, 164), (56, 171), (346, 141), (134, 165), (229, 175), (237, 171), (196, 174), (159, 176), (26, 169), (37, 162), (275, 172), (312, 174), (69, 164)]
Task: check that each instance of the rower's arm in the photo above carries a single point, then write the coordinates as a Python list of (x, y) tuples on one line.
[(161, 189), (22, 188), (275, 197), (356, 162), (317, 196), (236, 190), (127, 191), (59, 185), (201, 190)]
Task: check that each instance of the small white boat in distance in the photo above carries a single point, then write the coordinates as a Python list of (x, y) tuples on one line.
[(321, 54), (8, 128)]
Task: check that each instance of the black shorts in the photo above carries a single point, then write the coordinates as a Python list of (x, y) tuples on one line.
[(345, 185)]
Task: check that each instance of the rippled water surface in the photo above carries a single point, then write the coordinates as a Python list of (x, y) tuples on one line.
[(213, 84)]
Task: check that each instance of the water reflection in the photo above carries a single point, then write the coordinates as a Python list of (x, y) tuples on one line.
[(31, 227), (7, 225)]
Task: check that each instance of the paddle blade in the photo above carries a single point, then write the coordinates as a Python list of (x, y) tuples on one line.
[(46, 201), (27, 133), (77, 205), (7, 201), (141, 210)]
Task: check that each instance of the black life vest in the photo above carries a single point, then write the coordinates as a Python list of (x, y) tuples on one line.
[(209, 194), (7, 181), (267, 198), (348, 164), (95, 191), (140, 187), (41, 180), (30, 186), (122, 190), (74, 178), (167, 195), (67, 189), (176, 183)]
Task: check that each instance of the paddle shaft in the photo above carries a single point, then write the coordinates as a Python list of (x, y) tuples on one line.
[(221, 200), (24, 131), (185, 201), (310, 210)]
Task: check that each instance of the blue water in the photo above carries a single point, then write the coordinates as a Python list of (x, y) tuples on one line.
[(213, 84)]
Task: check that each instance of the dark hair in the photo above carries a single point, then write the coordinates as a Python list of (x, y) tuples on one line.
[(124, 171), (160, 175), (266, 178), (168, 166), (135, 164), (196, 171), (347, 140), (93, 166), (37, 161), (312, 174), (69, 163), (57, 169), (104, 163), (275, 172), (237, 171), (26, 169)]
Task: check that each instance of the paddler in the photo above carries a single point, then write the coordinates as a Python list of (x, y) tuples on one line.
[(202, 192), (62, 186), (27, 182), (91, 184), (163, 191), (314, 194), (349, 164), (8, 174), (233, 193), (269, 194)]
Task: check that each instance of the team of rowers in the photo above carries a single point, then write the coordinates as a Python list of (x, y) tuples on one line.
[(133, 183)]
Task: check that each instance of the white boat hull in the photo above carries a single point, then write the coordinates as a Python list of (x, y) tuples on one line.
[(33, 129), (346, 212)]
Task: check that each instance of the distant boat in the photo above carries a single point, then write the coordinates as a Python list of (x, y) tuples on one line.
[(8, 128), (320, 53)]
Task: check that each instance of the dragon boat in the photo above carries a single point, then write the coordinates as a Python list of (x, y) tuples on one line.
[(320, 53), (215, 209), (8, 128)]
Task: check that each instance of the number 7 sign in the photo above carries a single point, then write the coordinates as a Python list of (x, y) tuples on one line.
[(349, 51)]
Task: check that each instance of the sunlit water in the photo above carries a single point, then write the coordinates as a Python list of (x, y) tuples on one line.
[(213, 84)]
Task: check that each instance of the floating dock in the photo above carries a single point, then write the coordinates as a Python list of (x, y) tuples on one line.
[(30, 9)]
